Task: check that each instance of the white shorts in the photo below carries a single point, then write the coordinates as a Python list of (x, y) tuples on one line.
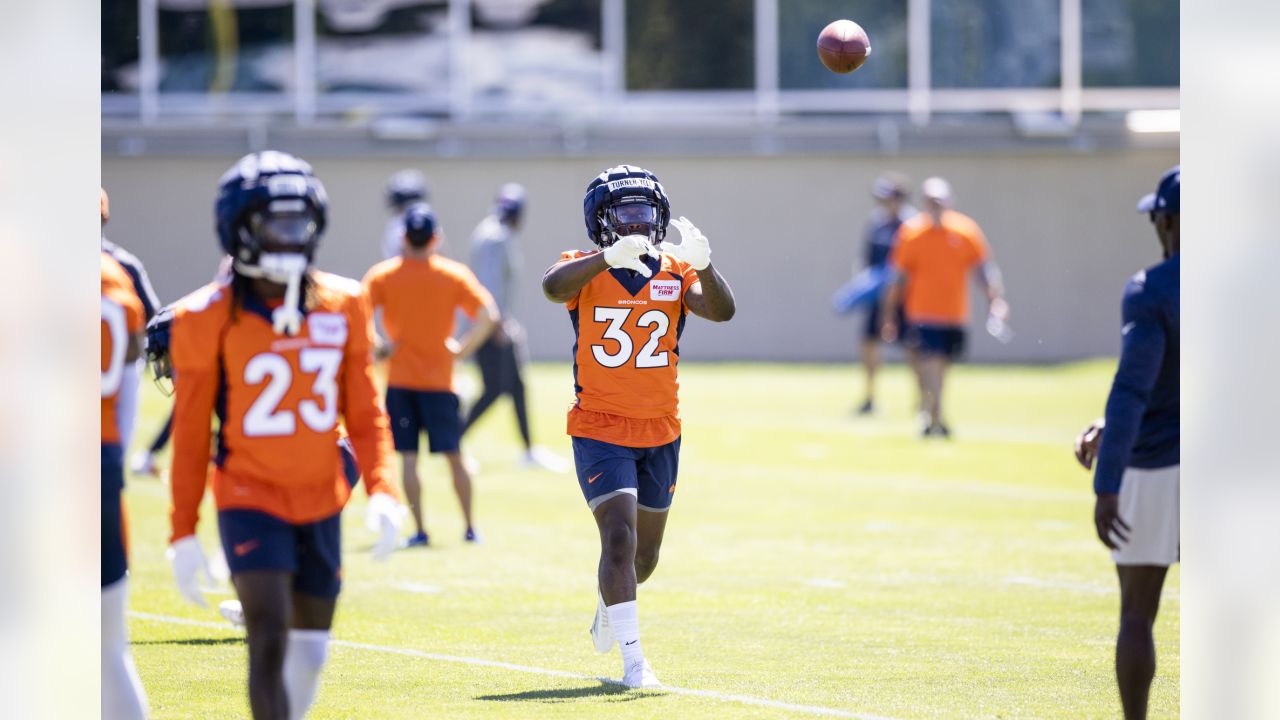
[(1149, 504)]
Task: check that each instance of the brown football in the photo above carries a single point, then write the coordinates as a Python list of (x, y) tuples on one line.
[(843, 46)]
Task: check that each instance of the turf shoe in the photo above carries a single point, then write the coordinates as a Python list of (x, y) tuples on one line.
[(639, 675), (601, 633), (232, 611), (418, 540)]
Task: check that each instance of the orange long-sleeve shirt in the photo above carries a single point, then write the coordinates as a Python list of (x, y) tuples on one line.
[(279, 399)]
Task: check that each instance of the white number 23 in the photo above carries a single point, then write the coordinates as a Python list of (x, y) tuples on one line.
[(265, 418)]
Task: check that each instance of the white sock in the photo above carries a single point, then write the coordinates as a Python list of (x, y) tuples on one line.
[(624, 620), (304, 656), (122, 695)]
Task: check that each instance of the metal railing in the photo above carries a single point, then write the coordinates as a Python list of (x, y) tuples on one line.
[(919, 100)]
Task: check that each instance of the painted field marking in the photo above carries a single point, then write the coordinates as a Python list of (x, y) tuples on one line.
[(709, 694)]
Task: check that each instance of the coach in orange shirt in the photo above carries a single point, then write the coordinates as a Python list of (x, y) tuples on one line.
[(415, 297), (935, 251)]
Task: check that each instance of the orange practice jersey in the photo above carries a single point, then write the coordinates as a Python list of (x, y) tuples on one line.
[(936, 261), (279, 400), (122, 318), (624, 364), (419, 299)]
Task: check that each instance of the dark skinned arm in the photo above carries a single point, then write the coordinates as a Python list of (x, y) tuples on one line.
[(563, 280), (711, 297)]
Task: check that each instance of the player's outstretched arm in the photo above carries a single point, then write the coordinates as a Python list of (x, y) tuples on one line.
[(711, 297), (563, 280)]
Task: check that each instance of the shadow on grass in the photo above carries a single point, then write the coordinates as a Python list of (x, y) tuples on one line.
[(615, 693), (193, 641)]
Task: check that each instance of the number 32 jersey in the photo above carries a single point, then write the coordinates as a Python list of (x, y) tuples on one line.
[(628, 331), (279, 400)]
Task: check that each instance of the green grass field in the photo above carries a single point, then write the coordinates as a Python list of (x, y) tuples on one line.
[(812, 558)]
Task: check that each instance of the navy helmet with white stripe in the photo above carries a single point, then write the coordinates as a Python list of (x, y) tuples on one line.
[(625, 200), (269, 202)]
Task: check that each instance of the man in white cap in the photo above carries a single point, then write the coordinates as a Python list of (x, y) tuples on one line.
[(936, 251)]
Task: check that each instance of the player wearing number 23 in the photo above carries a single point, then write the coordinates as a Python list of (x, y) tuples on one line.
[(281, 353), (628, 301)]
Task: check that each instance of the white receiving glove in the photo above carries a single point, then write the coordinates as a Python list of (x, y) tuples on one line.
[(189, 563), (384, 516), (626, 252), (694, 248)]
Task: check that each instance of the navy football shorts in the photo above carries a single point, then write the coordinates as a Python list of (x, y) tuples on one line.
[(115, 562), (647, 474), (946, 340), (415, 411), (875, 318), (311, 552)]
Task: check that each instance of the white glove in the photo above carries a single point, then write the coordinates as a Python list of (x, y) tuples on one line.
[(189, 563), (384, 516), (694, 247), (626, 252)]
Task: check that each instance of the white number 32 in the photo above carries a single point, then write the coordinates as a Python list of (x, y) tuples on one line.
[(265, 418)]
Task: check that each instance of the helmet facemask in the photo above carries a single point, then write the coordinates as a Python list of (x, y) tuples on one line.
[(277, 243), (630, 216)]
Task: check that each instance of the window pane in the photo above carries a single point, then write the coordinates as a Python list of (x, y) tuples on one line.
[(119, 46), (683, 45), (995, 44), (1130, 43), (216, 47), (535, 54), (799, 23), (382, 47)]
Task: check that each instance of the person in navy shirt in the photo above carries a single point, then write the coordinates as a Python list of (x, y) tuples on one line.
[(890, 192), (1137, 451)]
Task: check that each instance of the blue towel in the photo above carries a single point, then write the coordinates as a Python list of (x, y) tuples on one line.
[(863, 290)]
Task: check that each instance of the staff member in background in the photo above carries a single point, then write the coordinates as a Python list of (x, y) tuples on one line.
[(890, 193), (404, 188), (495, 260), (1137, 481), (414, 298), (936, 250)]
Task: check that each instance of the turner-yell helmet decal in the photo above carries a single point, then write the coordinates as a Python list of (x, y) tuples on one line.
[(625, 200)]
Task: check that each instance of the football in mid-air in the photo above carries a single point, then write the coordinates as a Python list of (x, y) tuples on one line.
[(843, 46)]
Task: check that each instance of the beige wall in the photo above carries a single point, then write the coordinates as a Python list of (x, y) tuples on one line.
[(785, 231)]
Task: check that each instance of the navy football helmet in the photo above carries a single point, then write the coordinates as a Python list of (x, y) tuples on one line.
[(158, 349), (625, 200), (509, 203), (405, 187), (269, 203)]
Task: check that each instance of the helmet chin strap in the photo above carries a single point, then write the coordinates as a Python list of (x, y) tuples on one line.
[(288, 270)]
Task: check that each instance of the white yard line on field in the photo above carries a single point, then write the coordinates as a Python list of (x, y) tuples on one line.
[(709, 694)]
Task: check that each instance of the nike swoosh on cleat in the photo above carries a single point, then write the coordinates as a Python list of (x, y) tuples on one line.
[(244, 548), (593, 478)]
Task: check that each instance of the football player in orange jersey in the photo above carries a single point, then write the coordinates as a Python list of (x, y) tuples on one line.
[(279, 351), (628, 303), (416, 295), (122, 318)]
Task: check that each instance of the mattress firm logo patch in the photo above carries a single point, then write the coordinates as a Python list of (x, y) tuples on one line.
[(668, 290), (327, 328)]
